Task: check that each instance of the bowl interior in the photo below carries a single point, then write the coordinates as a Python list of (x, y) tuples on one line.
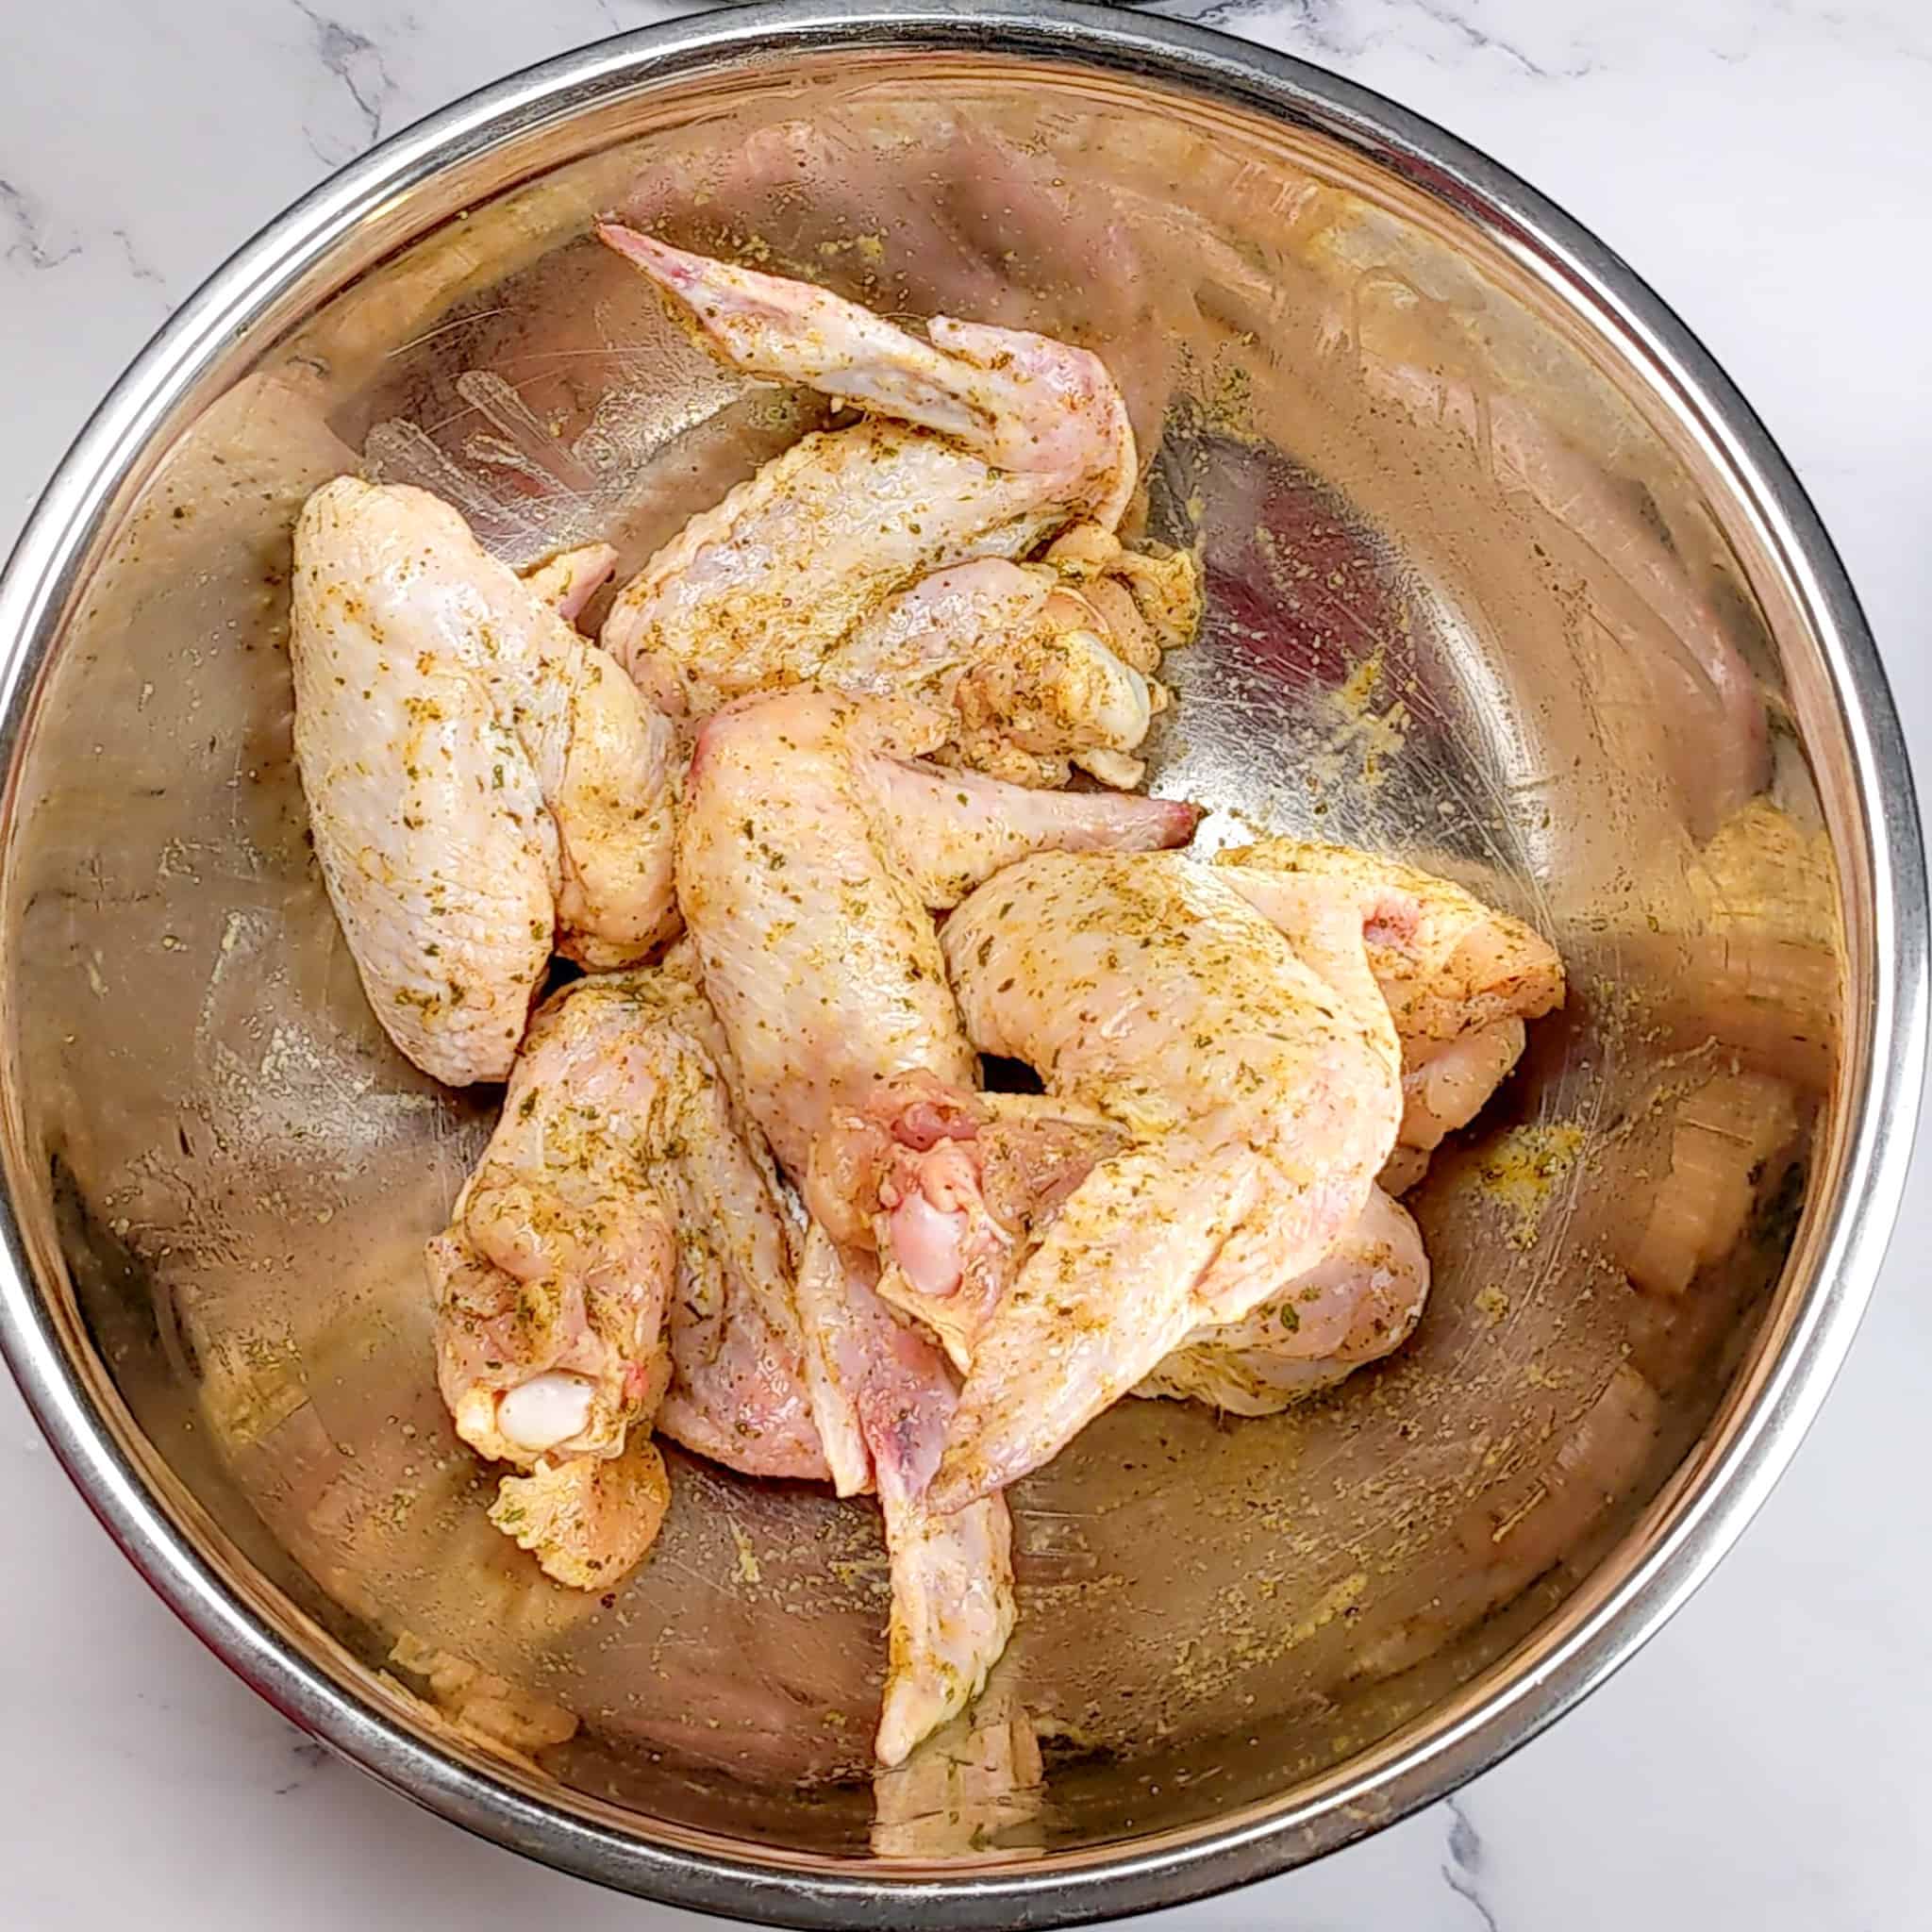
[(1480, 595)]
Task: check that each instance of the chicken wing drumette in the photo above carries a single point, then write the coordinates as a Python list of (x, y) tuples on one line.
[(620, 1255)]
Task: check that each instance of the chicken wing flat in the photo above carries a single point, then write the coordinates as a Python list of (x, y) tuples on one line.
[(483, 784)]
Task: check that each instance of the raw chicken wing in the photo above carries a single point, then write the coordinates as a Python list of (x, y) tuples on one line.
[(482, 782), (588, 1519), (1046, 665), (962, 1192), (888, 1400), (1377, 1271), (811, 853), (622, 1188), (1257, 1083), (980, 445)]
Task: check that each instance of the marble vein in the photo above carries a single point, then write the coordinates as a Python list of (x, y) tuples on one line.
[(1316, 22), (358, 62), (30, 243), (138, 266), (1464, 1872), (1471, 36), (309, 1758), (1345, 30)]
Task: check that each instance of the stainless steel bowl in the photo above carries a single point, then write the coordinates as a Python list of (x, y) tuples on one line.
[(1504, 574)]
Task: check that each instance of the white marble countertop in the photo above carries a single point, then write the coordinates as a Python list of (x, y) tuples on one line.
[(1764, 1762)]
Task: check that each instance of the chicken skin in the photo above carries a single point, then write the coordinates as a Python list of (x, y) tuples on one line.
[(1046, 669), (588, 1520), (888, 1400), (1256, 1080), (483, 784), (620, 1246), (812, 853), (1255, 1365), (1458, 992), (962, 1191), (978, 445)]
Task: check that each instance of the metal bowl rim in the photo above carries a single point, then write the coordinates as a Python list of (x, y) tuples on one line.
[(67, 522)]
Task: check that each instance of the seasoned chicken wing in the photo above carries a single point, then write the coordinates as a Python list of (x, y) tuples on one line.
[(1458, 990), (962, 1190), (588, 1519), (738, 1391), (980, 445), (1256, 1080), (811, 852), (483, 783), (620, 1246)]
